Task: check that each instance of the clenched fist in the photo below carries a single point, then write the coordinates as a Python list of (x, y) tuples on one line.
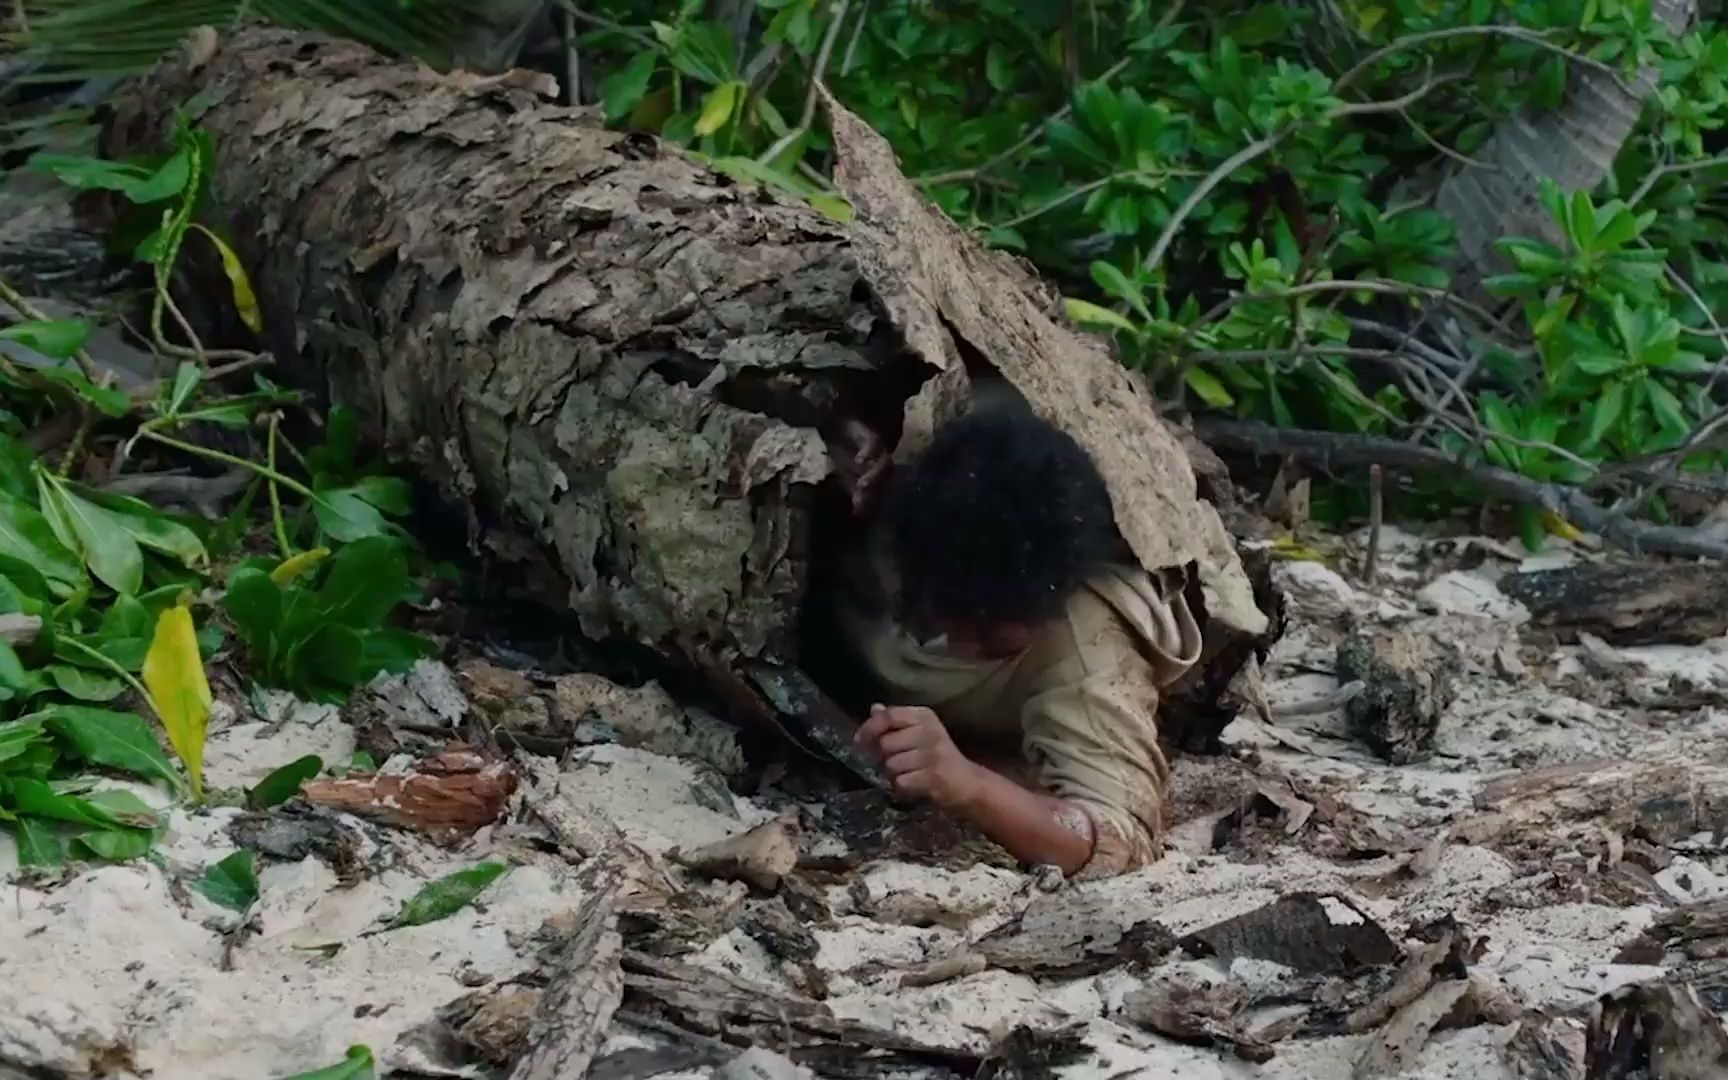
[(920, 757)]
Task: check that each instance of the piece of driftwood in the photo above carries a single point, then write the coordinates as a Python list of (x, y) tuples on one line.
[(1028, 1053), (1391, 1049), (1183, 1006), (1313, 933), (1655, 1031), (493, 1024), (617, 362), (1660, 802), (760, 857), (1407, 686), (1546, 1048), (1626, 603), (689, 921), (447, 796), (1072, 934), (1434, 961), (945, 969), (773, 926), (586, 985)]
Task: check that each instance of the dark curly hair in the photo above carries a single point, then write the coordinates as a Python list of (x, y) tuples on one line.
[(998, 521)]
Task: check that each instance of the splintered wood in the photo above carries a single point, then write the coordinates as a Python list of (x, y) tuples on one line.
[(447, 796)]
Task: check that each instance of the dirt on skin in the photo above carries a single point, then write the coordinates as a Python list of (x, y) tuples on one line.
[(126, 971)]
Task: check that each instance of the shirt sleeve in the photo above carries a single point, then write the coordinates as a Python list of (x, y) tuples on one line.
[(1091, 733)]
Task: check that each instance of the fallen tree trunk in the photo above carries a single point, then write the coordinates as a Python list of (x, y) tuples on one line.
[(620, 362)]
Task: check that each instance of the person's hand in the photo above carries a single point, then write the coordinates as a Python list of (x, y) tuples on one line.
[(920, 757), (860, 460)]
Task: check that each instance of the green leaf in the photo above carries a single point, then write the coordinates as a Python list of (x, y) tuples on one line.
[(356, 1066), (187, 378), (92, 532), (329, 656), (347, 517), (37, 798), (19, 736), (449, 894), (84, 685), (1605, 412), (718, 105), (232, 883), (1669, 413), (284, 783), (90, 173), (367, 580), (1207, 388), (151, 528), (57, 339), (624, 89), (38, 843), (391, 494), (27, 536), (115, 739), (107, 399), (174, 674), (13, 679), (254, 602), (1089, 314), (115, 845)]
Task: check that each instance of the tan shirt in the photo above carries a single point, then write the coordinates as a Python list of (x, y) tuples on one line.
[(1078, 708)]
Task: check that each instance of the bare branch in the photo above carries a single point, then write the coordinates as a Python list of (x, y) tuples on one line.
[(1327, 451), (823, 53), (1517, 33)]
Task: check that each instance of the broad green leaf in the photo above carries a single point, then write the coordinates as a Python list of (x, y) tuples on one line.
[(717, 107), (13, 679), (38, 841), (57, 339), (27, 536), (292, 567), (1112, 280), (284, 783), (254, 602), (347, 517), (90, 173), (34, 797), (17, 736), (174, 674), (232, 883), (624, 89), (1207, 388), (115, 845), (1668, 410), (391, 494), (124, 807), (245, 300), (151, 528), (92, 532), (833, 207), (390, 650), (449, 894), (356, 1066), (127, 617), (367, 579), (329, 656), (115, 739), (84, 685)]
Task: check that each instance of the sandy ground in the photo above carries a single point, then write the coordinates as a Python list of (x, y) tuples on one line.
[(124, 971)]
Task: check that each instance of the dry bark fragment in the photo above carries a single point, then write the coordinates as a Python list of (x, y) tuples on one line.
[(1073, 934), (1406, 688), (1544, 1048), (450, 795), (1626, 603), (1656, 1031), (760, 856), (1312, 933), (585, 988)]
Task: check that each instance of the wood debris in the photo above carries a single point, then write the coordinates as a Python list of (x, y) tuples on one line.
[(1312, 933), (1072, 934), (293, 833), (1626, 603), (1407, 685), (1183, 1005), (759, 857), (1546, 1048), (1656, 1031), (447, 796)]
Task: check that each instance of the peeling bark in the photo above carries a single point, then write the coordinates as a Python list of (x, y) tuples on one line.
[(618, 362)]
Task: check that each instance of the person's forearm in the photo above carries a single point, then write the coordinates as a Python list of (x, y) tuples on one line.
[(1034, 827)]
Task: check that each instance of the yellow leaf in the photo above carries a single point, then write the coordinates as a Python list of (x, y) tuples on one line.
[(245, 301), (1559, 526), (174, 675), (1207, 388), (292, 567), (1089, 314), (717, 107), (1287, 548)]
